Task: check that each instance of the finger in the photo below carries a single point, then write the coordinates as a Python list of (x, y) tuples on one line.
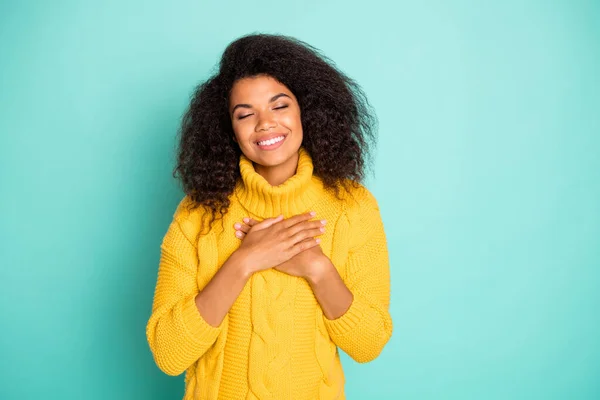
[(305, 225), (298, 218), (250, 221), (309, 240), (269, 221), (305, 245), (239, 234), (241, 227), (306, 233)]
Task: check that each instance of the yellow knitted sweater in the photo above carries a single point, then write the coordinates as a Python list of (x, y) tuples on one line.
[(275, 342)]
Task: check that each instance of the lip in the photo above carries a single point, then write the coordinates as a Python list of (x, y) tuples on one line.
[(274, 145), (270, 136)]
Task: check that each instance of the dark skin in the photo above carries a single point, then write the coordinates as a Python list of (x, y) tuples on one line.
[(331, 292), (262, 107), (307, 264), (271, 243)]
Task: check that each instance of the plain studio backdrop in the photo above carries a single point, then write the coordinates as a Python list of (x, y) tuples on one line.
[(487, 173)]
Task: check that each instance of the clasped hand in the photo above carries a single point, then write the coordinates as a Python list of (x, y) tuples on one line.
[(287, 245)]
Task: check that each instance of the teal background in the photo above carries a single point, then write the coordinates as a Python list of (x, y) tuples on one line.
[(487, 173)]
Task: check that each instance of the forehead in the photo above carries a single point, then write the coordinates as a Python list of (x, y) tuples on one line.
[(257, 89)]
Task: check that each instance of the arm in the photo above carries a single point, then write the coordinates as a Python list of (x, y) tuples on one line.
[(366, 325), (185, 323), (217, 298), (331, 292)]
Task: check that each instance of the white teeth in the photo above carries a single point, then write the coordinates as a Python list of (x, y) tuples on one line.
[(271, 141)]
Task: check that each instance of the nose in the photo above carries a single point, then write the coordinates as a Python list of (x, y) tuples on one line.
[(265, 122)]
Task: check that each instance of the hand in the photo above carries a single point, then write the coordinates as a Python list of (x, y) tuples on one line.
[(273, 241), (306, 264)]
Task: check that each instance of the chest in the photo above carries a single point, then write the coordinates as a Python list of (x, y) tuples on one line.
[(334, 244)]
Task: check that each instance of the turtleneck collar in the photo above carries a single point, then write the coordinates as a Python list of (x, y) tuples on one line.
[(294, 196)]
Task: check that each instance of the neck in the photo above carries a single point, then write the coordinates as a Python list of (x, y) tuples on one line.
[(278, 174), (262, 196)]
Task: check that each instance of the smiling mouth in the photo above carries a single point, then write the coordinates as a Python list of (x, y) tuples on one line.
[(272, 144), (272, 141)]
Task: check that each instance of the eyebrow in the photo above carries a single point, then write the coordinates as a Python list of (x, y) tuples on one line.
[(272, 99)]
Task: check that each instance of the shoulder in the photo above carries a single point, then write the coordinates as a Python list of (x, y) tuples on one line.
[(192, 218), (362, 211), (358, 199)]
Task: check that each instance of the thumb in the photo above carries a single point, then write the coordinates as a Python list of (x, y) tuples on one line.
[(268, 222)]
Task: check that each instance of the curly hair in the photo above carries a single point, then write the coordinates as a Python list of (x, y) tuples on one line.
[(339, 125)]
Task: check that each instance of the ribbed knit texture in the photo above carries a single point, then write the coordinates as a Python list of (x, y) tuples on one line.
[(275, 342)]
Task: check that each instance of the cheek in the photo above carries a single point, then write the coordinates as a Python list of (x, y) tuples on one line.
[(293, 122), (242, 132)]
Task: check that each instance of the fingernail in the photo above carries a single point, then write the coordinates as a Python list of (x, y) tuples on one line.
[(318, 240), (322, 229), (237, 226), (323, 221), (313, 213), (246, 220), (238, 233)]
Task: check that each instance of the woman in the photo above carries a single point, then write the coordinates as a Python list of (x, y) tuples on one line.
[(277, 255)]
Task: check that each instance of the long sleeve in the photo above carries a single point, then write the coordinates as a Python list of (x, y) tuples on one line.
[(176, 332), (365, 328)]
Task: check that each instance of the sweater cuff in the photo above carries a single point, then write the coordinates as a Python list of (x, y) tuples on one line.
[(349, 320), (197, 328)]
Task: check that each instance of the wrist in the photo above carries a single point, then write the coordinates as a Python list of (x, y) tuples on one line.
[(319, 273), (241, 263)]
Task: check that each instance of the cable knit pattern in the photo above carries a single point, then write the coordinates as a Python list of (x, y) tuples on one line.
[(275, 342), (273, 296)]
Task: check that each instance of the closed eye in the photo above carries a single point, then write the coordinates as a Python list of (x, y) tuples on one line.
[(276, 108)]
